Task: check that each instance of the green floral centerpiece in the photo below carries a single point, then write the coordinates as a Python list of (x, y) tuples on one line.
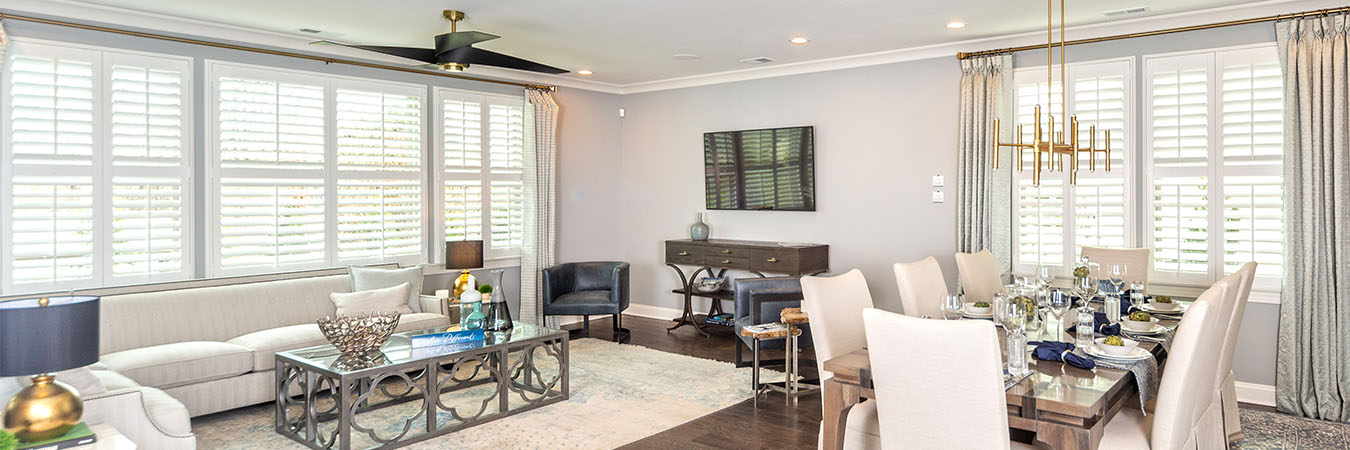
[(8, 441)]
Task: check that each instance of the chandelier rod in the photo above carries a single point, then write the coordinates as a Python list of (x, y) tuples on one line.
[(1277, 17)]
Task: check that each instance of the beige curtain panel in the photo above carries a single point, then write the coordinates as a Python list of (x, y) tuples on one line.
[(1313, 362), (984, 206), (541, 185)]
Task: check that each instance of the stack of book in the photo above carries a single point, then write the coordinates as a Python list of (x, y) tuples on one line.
[(721, 319), (80, 435)]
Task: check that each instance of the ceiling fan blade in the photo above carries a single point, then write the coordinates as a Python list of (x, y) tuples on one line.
[(450, 41), (421, 54), (471, 55)]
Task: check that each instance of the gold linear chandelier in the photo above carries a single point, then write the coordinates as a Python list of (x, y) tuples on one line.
[(1051, 147)]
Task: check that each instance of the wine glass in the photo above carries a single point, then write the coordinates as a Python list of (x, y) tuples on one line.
[(1086, 288), (1116, 273), (1059, 303), (952, 306), (1045, 275)]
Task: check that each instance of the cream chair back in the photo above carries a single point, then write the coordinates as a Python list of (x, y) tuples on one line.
[(1227, 385), (1187, 417), (921, 287), (835, 306), (979, 275), (934, 377), (1135, 259)]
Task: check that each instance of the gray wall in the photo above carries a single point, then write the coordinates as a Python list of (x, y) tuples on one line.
[(881, 133)]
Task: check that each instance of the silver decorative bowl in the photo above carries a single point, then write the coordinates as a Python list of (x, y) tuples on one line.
[(359, 333), (710, 284)]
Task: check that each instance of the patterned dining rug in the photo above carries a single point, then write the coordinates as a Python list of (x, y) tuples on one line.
[(1268, 430), (619, 394)]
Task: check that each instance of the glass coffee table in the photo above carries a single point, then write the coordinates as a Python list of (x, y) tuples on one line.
[(326, 399)]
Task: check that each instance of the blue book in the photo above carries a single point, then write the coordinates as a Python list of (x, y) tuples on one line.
[(446, 338), (440, 350)]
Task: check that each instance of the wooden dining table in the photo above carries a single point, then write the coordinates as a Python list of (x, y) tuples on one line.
[(1066, 407)]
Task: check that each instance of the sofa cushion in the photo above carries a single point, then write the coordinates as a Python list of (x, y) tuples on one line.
[(266, 343), (169, 365), (585, 298), (382, 300), (367, 278)]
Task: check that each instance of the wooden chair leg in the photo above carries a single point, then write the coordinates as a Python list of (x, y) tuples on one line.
[(586, 325)]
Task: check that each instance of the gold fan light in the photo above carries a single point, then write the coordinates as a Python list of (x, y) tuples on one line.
[(1051, 147)]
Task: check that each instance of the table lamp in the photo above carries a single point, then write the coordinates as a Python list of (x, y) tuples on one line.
[(463, 255), (40, 336)]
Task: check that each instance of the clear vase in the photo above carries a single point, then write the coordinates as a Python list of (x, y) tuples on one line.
[(499, 313)]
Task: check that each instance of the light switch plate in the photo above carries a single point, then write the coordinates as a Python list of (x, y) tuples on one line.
[(937, 196), (938, 181)]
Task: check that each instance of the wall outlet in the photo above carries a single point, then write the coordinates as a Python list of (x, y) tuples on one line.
[(938, 197), (622, 112), (938, 181)]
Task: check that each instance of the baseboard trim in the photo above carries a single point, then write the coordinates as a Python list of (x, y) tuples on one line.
[(1254, 393), (652, 312)]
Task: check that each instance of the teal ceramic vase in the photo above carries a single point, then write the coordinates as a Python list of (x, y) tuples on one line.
[(699, 230)]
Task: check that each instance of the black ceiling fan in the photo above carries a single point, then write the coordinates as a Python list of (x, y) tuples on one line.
[(455, 52)]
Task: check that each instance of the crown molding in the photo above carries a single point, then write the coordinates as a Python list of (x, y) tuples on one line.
[(216, 31), (166, 24)]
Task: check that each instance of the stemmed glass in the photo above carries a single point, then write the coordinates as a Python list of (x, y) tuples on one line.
[(1059, 303), (1086, 288), (952, 306), (1116, 273), (1044, 276)]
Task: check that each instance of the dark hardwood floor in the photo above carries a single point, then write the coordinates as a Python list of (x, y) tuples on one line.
[(773, 425)]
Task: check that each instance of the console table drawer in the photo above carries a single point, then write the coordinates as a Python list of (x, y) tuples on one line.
[(729, 262), (713, 250), (684, 254), (774, 261)]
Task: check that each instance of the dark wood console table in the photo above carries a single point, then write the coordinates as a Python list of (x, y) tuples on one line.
[(724, 254)]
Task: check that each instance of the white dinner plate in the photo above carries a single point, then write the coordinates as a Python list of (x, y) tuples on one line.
[(1157, 329), (1138, 354), (989, 315), (1148, 306)]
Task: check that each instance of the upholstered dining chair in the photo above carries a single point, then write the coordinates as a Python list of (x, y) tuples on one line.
[(921, 287), (835, 305), (979, 275), (1232, 427), (1135, 259), (1184, 417), (909, 354), (585, 289)]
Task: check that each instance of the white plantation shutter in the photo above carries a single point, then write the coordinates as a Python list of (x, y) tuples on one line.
[(270, 183), (1217, 144), (94, 168), (1252, 103), (1056, 218), (481, 185), (379, 181)]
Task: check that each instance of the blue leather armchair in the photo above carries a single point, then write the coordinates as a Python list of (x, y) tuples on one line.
[(759, 301), (585, 289)]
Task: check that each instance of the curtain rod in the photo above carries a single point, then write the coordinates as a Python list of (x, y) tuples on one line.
[(324, 59), (1320, 12)]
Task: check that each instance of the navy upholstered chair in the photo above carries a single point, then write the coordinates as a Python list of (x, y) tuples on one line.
[(759, 301), (586, 289)]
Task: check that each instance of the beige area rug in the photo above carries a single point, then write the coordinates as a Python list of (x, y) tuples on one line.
[(619, 394)]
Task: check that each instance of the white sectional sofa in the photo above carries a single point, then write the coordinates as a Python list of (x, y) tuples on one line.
[(212, 348)]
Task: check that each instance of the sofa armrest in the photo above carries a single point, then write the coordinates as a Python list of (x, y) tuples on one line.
[(126, 410)]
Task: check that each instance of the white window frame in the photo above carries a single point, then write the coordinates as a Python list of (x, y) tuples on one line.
[(1214, 169), (101, 171), (484, 176), (1112, 66), (329, 174)]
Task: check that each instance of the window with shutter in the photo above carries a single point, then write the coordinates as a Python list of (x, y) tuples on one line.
[(482, 189), (1216, 137), (93, 168), (379, 180), (1055, 219)]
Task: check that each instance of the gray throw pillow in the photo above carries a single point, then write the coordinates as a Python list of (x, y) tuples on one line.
[(368, 278)]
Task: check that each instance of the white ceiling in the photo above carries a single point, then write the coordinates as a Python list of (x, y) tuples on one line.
[(631, 41)]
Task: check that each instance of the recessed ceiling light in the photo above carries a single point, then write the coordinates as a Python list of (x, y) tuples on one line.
[(956, 24), (684, 56), (584, 72), (799, 40)]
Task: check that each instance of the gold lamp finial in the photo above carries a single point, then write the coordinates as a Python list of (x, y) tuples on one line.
[(44, 301)]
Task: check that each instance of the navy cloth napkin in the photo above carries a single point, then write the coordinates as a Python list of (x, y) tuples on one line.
[(1061, 351), (1101, 325)]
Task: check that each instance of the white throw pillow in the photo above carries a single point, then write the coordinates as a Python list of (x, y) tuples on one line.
[(386, 300), (367, 278)]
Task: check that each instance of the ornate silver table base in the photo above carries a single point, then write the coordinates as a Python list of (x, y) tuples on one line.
[(499, 379)]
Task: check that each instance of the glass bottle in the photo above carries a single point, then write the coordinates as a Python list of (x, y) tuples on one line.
[(1086, 327), (471, 311), (498, 313)]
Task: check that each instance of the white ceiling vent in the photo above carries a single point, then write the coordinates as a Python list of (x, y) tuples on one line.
[(1125, 11), (757, 60)]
